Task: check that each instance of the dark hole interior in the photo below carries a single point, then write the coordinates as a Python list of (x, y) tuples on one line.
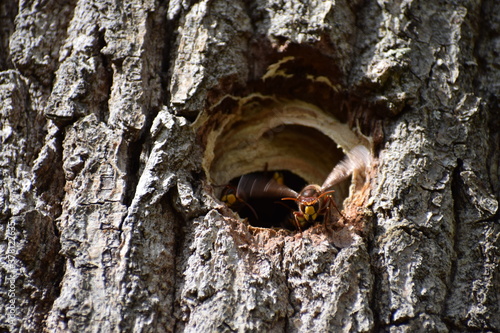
[(270, 212)]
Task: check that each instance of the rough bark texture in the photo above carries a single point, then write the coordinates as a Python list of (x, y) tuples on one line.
[(108, 221)]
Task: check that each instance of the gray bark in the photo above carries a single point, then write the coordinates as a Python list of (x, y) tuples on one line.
[(109, 214)]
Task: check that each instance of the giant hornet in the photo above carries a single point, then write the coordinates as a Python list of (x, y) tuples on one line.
[(314, 200), (245, 208)]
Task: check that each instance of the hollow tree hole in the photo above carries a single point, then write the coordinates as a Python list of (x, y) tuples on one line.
[(263, 136), (292, 120)]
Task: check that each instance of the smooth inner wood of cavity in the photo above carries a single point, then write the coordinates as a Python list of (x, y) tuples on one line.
[(284, 134)]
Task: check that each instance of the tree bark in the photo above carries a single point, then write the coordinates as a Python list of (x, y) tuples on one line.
[(113, 118)]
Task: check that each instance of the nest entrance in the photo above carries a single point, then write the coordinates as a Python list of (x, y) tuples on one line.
[(291, 116), (262, 134)]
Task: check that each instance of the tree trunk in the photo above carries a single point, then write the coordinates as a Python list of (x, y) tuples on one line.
[(121, 121)]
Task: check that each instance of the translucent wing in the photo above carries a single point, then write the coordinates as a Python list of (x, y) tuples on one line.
[(357, 158), (257, 186)]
